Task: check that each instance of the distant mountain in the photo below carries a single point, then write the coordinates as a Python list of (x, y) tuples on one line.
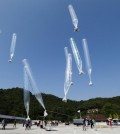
[(11, 103)]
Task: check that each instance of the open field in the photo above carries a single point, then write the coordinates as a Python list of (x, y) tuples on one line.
[(61, 129)]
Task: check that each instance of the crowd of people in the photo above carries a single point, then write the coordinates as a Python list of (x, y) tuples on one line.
[(87, 122), (92, 123), (27, 123), (43, 123)]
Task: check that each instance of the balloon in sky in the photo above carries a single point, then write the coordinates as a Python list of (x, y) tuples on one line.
[(73, 17), (68, 76), (27, 101), (66, 53), (68, 73), (76, 55), (35, 91), (26, 93), (12, 49), (87, 59)]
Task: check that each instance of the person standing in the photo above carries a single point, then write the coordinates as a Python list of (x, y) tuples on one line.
[(84, 124), (3, 124), (27, 124), (14, 125), (41, 124), (94, 124), (91, 123), (110, 123)]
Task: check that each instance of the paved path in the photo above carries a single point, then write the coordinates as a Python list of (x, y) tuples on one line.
[(61, 129)]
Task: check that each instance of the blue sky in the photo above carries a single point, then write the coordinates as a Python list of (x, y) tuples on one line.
[(43, 29)]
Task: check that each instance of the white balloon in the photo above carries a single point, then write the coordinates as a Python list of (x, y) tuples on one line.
[(73, 17), (26, 92), (68, 73), (87, 59), (35, 91), (13, 44), (76, 55)]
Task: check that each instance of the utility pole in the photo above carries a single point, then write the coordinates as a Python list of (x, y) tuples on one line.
[(80, 113)]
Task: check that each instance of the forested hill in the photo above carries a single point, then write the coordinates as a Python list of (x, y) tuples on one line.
[(11, 103)]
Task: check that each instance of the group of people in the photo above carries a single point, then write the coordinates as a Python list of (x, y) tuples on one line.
[(4, 124), (87, 122), (41, 123), (27, 123)]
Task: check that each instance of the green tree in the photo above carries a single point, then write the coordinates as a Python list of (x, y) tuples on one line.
[(115, 116), (11, 103), (110, 116)]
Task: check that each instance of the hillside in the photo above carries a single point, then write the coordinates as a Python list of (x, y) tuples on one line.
[(11, 103)]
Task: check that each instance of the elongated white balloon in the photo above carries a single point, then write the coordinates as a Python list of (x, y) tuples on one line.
[(26, 93), (87, 59), (12, 49), (68, 71), (40, 100), (66, 53), (35, 91), (76, 55), (68, 65), (66, 86), (26, 81), (67, 83), (68, 74), (26, 101), (73, 17)]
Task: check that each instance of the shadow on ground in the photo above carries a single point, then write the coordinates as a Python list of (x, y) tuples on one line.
[(8, 129)]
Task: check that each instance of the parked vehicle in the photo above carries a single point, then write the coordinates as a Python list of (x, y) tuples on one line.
[(116, 121), (78, 121)]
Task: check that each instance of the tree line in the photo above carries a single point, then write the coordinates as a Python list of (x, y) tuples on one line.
[(12, 103)]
